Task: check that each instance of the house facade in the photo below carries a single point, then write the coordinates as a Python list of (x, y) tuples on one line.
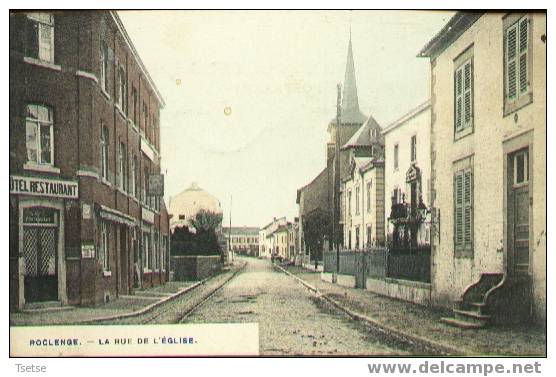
[(267, 243), (407, 180), (362, 189), (488, 165), (84, 144), (242, 240)]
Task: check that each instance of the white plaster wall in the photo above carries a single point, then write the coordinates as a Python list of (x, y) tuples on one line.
[(491, 128)]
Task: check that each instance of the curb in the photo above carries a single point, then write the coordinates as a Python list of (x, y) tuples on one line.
[(411, 338), (151, 306), (147, 308)]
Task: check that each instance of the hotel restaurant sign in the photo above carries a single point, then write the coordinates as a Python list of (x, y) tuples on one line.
[(54, 188)]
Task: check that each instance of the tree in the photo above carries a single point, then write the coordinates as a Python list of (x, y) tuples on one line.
[(203, 240), (316, 227)]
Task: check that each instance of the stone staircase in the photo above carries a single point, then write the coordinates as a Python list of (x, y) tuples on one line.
[(473, 310)]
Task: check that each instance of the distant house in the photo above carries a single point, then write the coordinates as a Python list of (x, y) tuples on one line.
[(242, 240), (266, 243), (362, 189), (488, 172), (185, 205)]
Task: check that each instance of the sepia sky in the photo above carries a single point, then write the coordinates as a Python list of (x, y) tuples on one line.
[(276, 72)]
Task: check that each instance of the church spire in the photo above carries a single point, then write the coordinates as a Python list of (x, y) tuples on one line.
[(350, 101)]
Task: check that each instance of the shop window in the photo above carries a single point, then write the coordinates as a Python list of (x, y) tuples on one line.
[(40, 36), (39, 130)]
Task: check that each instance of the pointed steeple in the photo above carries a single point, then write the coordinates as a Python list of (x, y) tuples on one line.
[(350, 101)]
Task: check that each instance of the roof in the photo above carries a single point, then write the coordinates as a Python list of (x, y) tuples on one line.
[(241, 230), (364, 136), (299, 190), (460, 22), (129, 43), (407, 116), (191, 200), (350, 100)]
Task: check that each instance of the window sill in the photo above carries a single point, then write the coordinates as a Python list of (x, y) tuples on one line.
[(517, 104), (104, 181), (120, 111), (105, 93), (41, 168), (106, 273), (463, 132), (42, 63)]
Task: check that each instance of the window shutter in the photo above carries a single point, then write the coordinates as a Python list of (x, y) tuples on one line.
[(458, 213), (511, 53), (459, 104), (467, 199), (523, 41), (468, 84)]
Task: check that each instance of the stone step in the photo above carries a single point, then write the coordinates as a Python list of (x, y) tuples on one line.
[(459, 323), (471, 316)]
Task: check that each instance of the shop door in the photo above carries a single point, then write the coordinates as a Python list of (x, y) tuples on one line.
[(39, 251), (519, 212)]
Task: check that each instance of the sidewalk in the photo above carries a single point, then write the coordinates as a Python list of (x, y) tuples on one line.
[(424, 322), (119, 306)]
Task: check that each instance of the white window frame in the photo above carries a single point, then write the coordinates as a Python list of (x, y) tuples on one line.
[(104, 66), (104, 145), (369, 188), (413, 148), (40, 19), (37, 124), (396, 156), (525, 154), (357, 200), (104, 246), (122, 90)]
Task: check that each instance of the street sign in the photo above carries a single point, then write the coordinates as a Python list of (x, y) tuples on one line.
[(155, 185)]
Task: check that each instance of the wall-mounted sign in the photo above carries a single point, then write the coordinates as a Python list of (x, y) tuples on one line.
[(86, 211), (39, 215), (44, 187), (147, 216), (87, 250), (147, 149), (155, 185), (413, 174)]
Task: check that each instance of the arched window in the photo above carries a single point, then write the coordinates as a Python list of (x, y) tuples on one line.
[(39, 134)]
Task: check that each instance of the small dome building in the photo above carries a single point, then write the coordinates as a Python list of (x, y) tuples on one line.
[(184, 206)]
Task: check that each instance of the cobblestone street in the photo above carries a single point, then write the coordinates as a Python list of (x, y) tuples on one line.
[(291, 320)]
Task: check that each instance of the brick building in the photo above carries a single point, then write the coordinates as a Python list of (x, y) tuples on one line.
[(84, 140)]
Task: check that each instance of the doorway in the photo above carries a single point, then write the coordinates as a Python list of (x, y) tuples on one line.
[(40, 249), (519, 212)]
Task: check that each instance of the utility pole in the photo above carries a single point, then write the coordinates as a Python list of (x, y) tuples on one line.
[(337, 178), (230, 230)]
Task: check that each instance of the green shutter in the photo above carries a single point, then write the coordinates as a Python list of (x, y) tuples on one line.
[(458, 211), (523, 41), (458, 98), (468, 80), (467, 208), (511, 61)]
